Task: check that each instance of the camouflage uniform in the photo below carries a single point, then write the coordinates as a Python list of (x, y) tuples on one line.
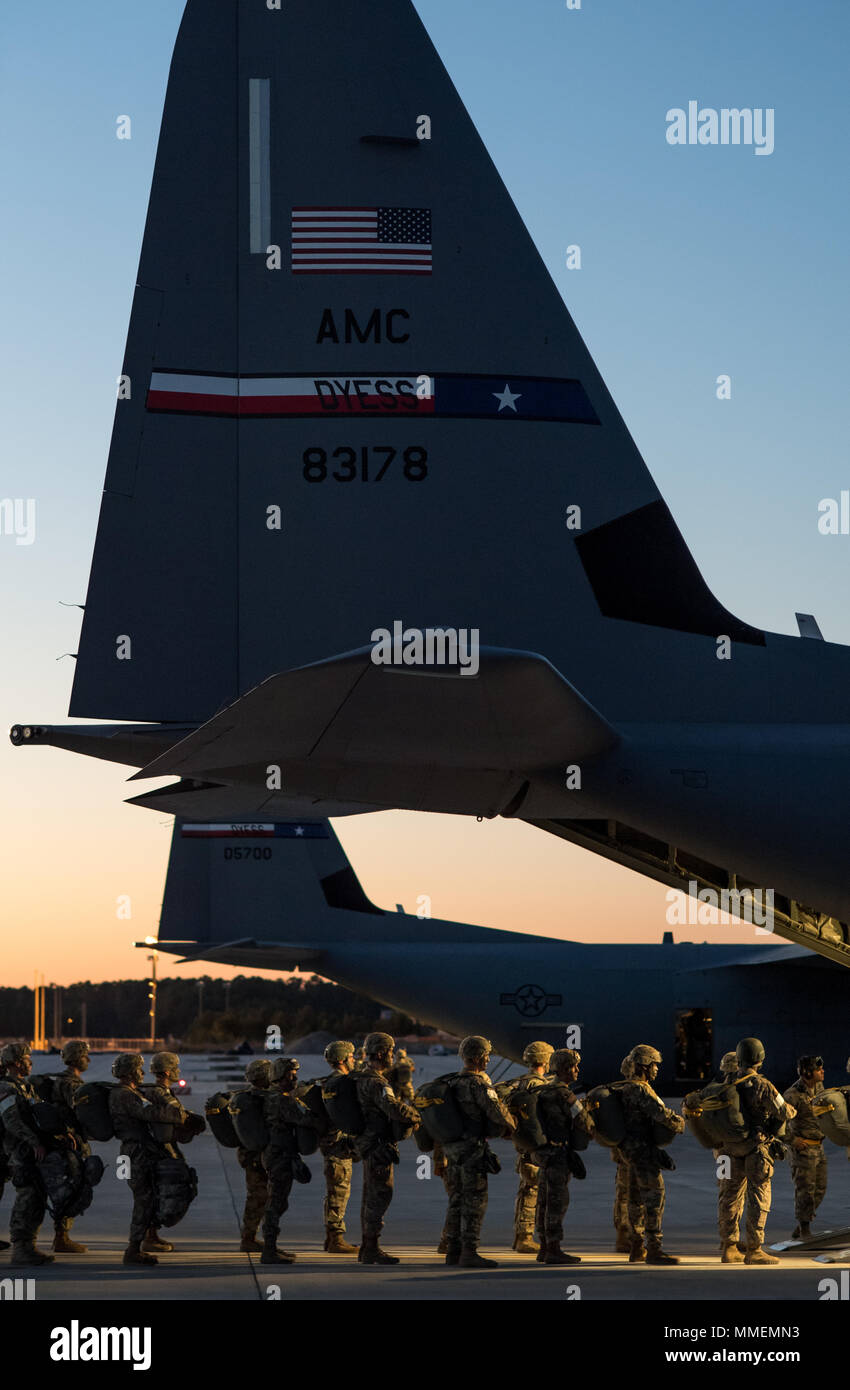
[(554, 1191), (4, 1162), (466, 1179), (20, 1142), (130, 1112), (65, 1087), (645, 1185), (251, 1163), (749, 1176), (808, 1162), (376, 1146), (283, 1111), (622, 1224)]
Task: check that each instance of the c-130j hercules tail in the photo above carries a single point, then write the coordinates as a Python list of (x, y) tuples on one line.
[(359, 406)]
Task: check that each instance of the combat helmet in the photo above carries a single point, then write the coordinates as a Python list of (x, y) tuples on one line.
[(375, 1044), (749, 1052), (281, 1066), (729, 1063), (644, 1055), (563, 1058), (130, 1064), (537, 1054), (627, 1067), (258, 1072), (165, 1063), (338, 1051), (473, 1047), (75, 1053), (12, 1053)]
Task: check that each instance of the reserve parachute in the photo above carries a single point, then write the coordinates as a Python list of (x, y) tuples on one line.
[(831, 1109), (715, 1118), (523, 1103), (176, 1189)]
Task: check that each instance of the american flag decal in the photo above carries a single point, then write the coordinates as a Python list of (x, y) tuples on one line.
[(361, 241)]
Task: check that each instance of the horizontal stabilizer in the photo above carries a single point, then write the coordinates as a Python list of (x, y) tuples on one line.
[(264, 955), (517, 714), (215, 802)]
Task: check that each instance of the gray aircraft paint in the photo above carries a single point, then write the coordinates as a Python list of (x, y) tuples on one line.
[(303, 905), (742, 765)]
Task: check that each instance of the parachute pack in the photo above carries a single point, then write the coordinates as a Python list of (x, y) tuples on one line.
[(311, 1095), (442, 1118), (716, 1119), (342, 1103), (557, 1127), (69, 1181), (604, 1104), (523, 1104), (91, 1107), (176, 1189), (248, 1112), (220, 1119), (832, 1111)]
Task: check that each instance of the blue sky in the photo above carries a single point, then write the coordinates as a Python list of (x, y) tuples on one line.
[(696, 261)]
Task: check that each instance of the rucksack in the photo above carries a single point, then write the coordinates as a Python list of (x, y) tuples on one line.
[(248, 1112), (220, 1119), (176, 1190), (523, 1103), (715, 1118), (557, 1127), (91, 1107), (604, 1104), (442, 1117), (312, 1098), (831, 1109), (342, 1103)]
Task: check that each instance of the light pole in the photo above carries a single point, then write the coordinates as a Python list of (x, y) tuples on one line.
[(152, 998)]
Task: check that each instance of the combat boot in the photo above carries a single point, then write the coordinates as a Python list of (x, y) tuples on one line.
[(656, 1256), (805, 1231), (64, 1245), (623, 1245), (370, 1253), (730, 1254), (336, 1244), (760, 1257), (556, 1256), (133, 1255), (637, 1253), (272, 1256), (25, 1253), (470, 1259), (524, 1245), (154, 1243), (250, 1245), (442, 1248), (453, 1248)]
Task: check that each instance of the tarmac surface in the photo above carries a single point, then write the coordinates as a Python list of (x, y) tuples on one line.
[(207, 1263)]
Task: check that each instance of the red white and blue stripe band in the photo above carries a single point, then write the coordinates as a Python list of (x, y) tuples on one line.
[(388, 394)]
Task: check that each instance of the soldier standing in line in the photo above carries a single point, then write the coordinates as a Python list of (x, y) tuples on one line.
[(441, 1170), (536, 1057), (400, 1076), (728, 1073), (643, 1108), (764, 1111), (622, 1225), (470, 1158), (806, 1146), (23, 1149), (4, 1162), (131, 1112), (251, 1163), (75, 1055), (338, 1152), (283, 1112), (563, 1114), (385, 1116), (166, 1110)]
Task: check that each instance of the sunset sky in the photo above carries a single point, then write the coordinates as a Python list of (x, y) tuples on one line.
[(696, 262)]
